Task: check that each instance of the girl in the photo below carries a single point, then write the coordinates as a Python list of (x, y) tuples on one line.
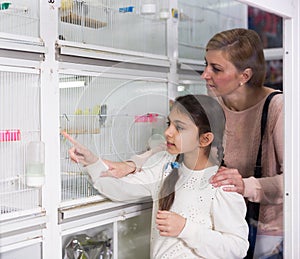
[(235, 72), (191, 218)]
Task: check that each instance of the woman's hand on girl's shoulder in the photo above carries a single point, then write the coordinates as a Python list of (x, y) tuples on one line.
[(229, 179)]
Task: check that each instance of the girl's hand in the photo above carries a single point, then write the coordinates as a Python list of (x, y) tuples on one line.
[(118, 169), (169, 223), (79, 153), (230, 178)]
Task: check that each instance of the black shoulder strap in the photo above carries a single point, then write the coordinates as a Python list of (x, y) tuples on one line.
[(264, 117)]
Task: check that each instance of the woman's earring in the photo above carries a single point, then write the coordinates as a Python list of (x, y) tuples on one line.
[(241, 84)]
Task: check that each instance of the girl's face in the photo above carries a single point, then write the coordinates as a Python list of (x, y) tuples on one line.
[(222, 78), (181, 134)]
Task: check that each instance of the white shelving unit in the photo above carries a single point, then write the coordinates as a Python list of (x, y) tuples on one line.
[(22, 216), (126, 56)]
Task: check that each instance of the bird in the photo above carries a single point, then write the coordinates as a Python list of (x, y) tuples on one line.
[(66, 5)]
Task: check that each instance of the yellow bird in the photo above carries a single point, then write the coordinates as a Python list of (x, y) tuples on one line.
[(66, 5)]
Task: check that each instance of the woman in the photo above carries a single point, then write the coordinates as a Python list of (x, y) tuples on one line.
[(190, 218), (235, 73)]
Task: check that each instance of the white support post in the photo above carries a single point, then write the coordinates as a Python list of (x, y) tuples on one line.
[(290, 11), (291, 136), (172, 50), (52, 242)]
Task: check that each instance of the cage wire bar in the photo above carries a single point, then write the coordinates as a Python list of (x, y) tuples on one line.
[(19, 124)]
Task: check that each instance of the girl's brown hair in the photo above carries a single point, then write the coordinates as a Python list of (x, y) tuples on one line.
[(244, 49), (208, 116)]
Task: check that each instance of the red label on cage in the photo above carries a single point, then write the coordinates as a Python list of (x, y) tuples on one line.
[(10, 135), (150, 117)]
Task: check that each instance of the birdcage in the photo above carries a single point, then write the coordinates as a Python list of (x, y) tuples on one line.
[(19, 18), (100, 112), (20, 124), (114, 24)]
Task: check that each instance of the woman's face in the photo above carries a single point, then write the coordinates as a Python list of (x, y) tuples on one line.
[(181, 134), (222, 78)]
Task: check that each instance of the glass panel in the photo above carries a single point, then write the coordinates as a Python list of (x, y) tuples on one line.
[(200, 20), (274, 77), (90, 243), (191, 87), (102, 115), (32, 252), (267, 25), (134, 237), (269, 28)]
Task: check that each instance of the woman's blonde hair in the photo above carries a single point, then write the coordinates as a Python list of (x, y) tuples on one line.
[(244, 49)]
